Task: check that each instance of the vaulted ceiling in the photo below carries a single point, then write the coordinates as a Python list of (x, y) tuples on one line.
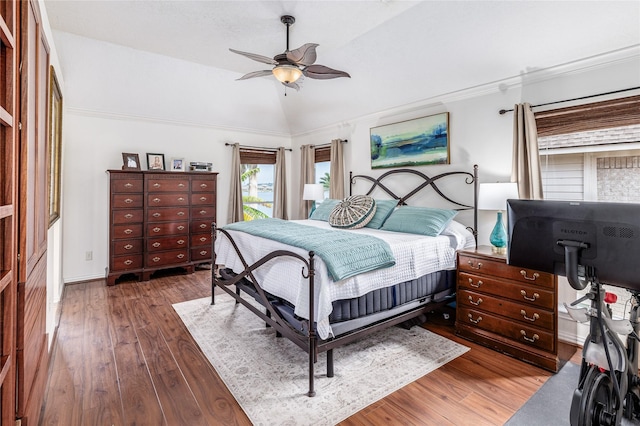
[(397, 52)]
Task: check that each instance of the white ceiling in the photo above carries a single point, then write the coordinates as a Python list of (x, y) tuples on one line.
[(397, 52)]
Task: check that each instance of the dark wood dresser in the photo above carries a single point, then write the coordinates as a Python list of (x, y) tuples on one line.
[(159, 220), (510, 309)]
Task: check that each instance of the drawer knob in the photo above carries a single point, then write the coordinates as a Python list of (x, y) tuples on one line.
[(128, 201), (156, 259), (128, 216), (128, 262), (532, 278), (156, 215), (156, 229), (156, 200), (128, 185), (524, 315), (475, 285), (530, 299), (203, 185), (180, 228), (203, 212), (475, 303), (474, 265), (203, 252), (181, 185), (531, 339), (475, 321), (156, 244), (203, 198), (180, 213), (181, 199), (180, 256), (180, 242), (203, 225), (156, 185), (128, 247), (203, 239), (128, 231)]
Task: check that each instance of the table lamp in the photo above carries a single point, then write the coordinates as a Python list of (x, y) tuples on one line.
[(494, 196), (313, 192)]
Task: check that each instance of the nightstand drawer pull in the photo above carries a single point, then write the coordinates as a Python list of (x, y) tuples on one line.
[(180, 228), (203, 252), (202, 226), (203, 239), (529, 339), (181, 213), (156, 229), (532, 319), (128, 247), (533, 277), (181, 199), (156, 259), (156, 200), (180, 242), (156, 215), (475, 285), (128, 200), (180, 256), (203, 198), (474, 265), (128, 262), (181, 185), (203, 185), (530, 299), (476, 321), (156, 185), (128, 185), (156, 244), (128, 231), (476, 303)]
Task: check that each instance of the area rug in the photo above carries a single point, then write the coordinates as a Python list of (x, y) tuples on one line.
[(268, 375)]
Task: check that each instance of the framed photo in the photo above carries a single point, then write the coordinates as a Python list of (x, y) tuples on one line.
[(177, 165), (411, 143), (155, 161), (55, 146), (130, 161)]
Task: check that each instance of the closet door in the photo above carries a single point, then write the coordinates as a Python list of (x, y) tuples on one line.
[(8, 206), (32, 350)]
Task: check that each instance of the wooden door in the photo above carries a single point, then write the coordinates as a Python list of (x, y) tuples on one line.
[(32, 351), (8, 206)]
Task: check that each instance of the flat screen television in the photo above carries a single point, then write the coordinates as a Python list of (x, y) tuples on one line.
[(603, 237)]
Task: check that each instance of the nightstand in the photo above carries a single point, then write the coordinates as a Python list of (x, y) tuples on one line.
[(510, 309)]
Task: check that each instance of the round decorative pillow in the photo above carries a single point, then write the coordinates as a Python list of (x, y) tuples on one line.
[(353, 212)]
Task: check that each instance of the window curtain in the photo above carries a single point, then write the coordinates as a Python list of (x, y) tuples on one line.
[(336, 172), (280, 187), (525, 169), (307, 175), (235, 212)]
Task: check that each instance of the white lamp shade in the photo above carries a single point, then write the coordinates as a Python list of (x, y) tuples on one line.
[(494, 196), (313, 191)]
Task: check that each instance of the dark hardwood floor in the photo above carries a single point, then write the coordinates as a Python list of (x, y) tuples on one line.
[(122, 356)]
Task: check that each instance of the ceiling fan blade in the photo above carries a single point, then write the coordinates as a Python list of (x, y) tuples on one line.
[(261, 73), (256, 57), (292, 85), (320, 72), (303, 55)]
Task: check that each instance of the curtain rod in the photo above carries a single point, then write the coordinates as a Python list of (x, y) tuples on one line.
[(502, 111), (257, 147), (327, 144)]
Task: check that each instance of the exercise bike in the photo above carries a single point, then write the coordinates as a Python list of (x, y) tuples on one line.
[(609, 387)]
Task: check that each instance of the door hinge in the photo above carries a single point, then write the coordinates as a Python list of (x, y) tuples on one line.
[(18, 257), (19, 126)]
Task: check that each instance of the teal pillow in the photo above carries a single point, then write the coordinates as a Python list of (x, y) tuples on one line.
[(384, 208), (324, 209), (419, 220)]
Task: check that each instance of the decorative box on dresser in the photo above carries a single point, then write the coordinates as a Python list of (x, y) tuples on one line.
[(510, 309), (159, 220)]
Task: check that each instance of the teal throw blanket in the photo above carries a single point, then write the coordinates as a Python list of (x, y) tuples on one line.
[(345, 253)]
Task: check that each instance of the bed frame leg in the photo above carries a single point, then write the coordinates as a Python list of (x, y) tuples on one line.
[(330, 363), (238, 293), (312, 391)]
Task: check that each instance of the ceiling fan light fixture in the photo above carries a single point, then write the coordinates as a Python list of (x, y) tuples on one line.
[(287, 73)]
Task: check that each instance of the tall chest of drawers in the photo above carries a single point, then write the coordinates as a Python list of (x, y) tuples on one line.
[(510, 309), (159, 220)]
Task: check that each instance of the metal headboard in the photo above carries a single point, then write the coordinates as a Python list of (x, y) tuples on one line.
[(469, 178)]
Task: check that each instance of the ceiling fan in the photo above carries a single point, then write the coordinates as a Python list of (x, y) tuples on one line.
[(291, 65)]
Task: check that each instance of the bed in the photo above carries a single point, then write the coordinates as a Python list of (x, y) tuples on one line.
[(397, 277)]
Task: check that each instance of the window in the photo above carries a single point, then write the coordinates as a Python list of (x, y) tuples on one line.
[(323, 168), (592, 152), (257, 169)]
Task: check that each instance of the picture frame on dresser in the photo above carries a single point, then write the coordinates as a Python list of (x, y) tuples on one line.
[(130, 161), (155, 161), (177, 164)]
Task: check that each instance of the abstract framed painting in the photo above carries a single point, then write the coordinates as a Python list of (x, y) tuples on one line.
[(416, 142)]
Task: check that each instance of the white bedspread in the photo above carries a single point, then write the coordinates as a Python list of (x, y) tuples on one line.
[(416, 255)]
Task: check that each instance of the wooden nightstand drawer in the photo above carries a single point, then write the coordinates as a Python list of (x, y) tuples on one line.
[(167, 243), (126, 201), (530, 336), (511, 290), (162, 184), (509, 309), (164, 214), (500, 268), (168, 200), (167, 258), (526, 314)]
